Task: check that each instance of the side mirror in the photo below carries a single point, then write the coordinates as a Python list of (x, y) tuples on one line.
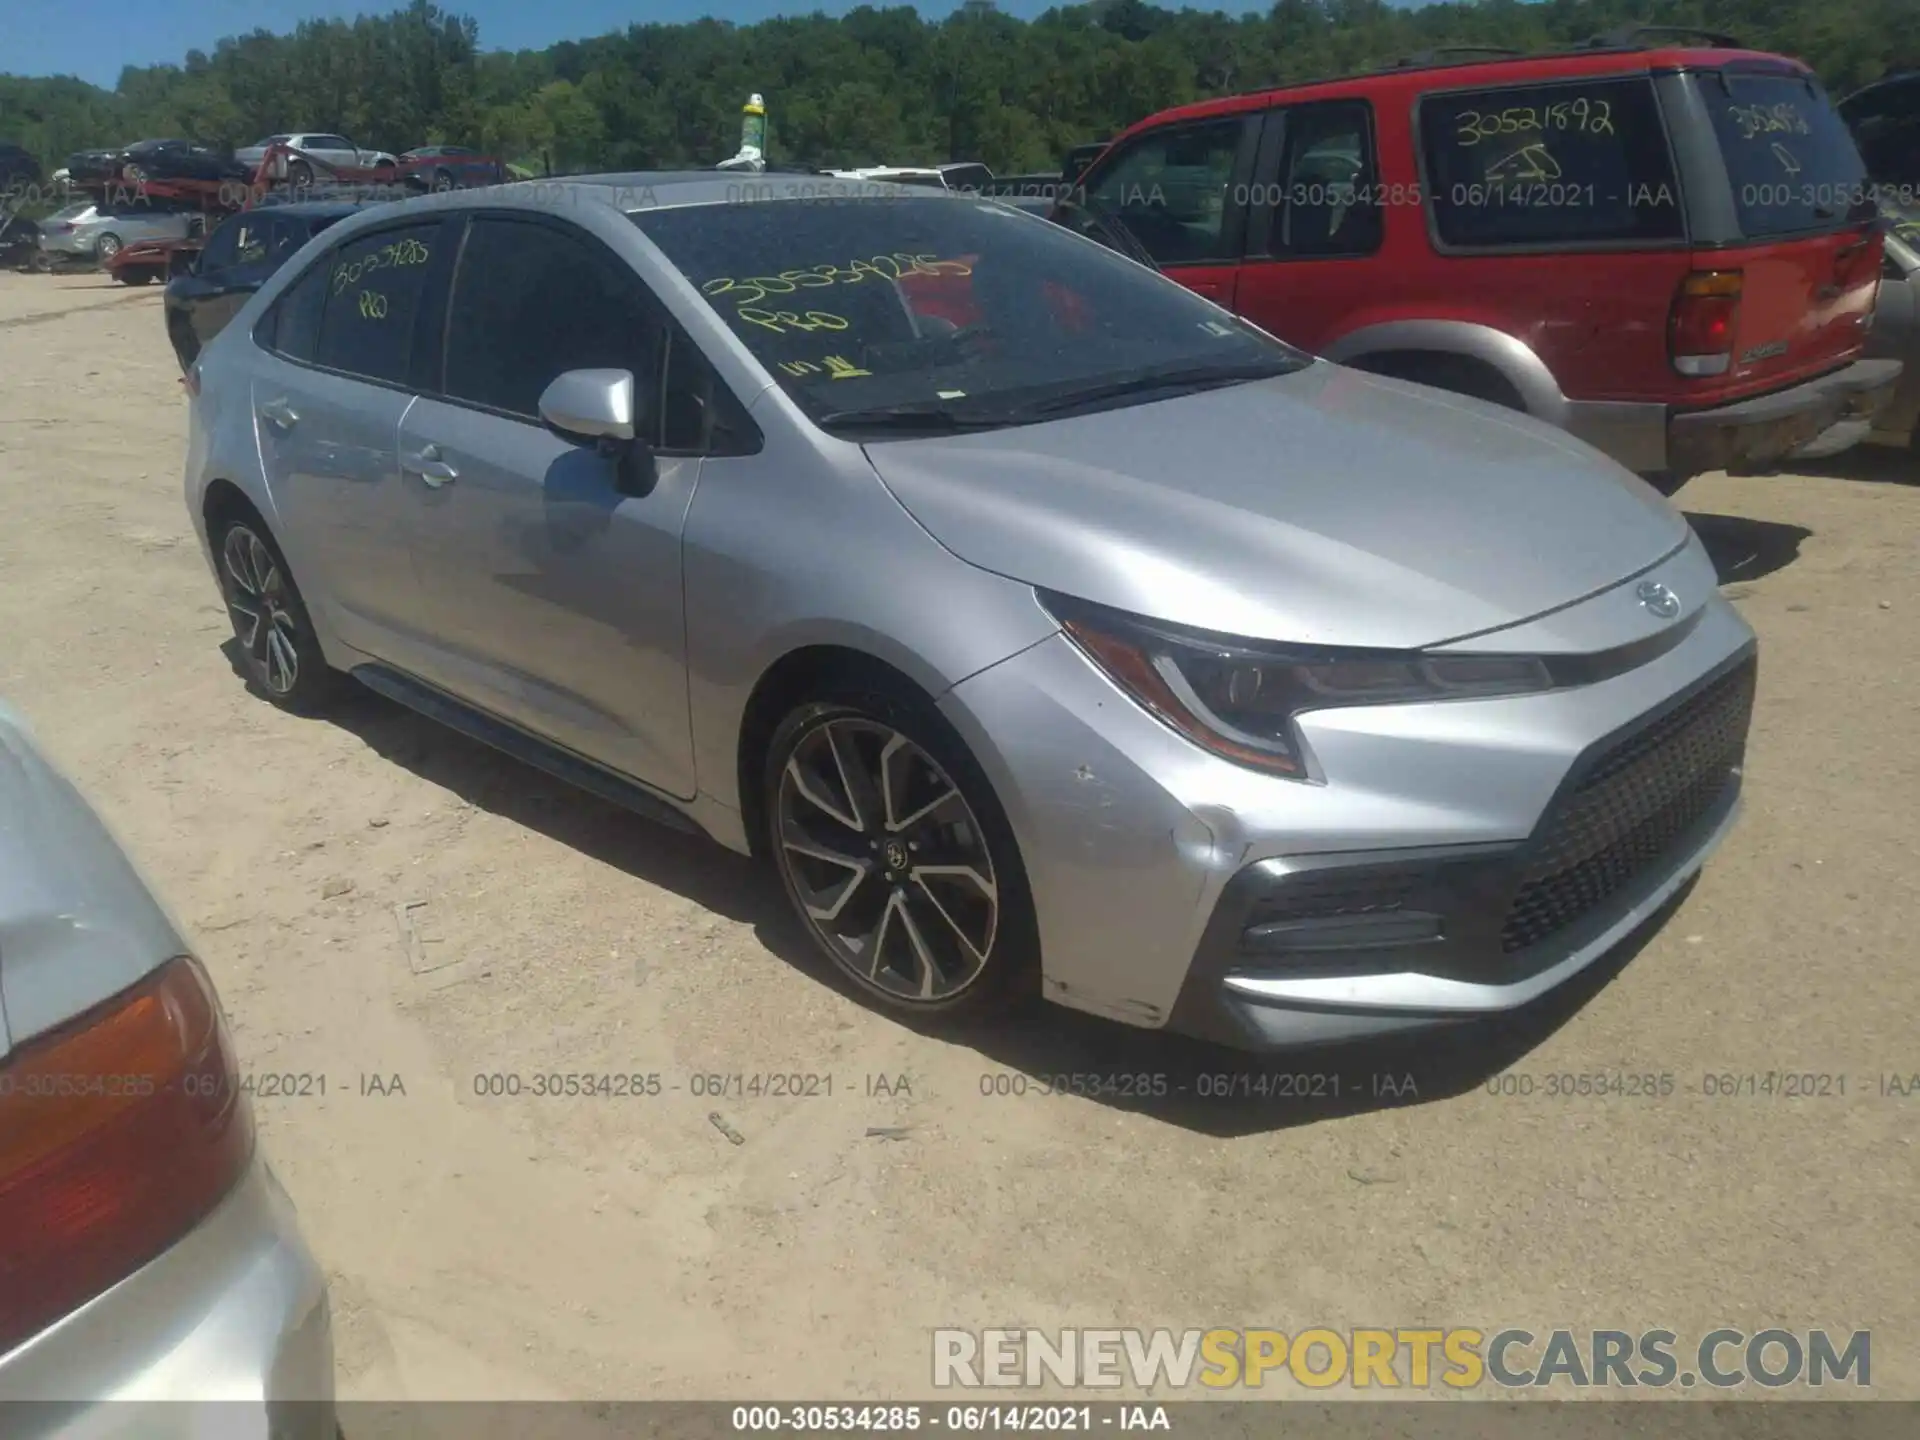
[(596, 407), (583, 405)]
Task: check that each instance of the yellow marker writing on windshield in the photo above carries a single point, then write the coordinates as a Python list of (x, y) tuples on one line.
[(842, 369)]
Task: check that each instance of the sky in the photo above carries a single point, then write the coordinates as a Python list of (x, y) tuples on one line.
[(95, 38)]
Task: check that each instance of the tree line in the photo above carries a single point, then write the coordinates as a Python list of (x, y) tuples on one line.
[(875, 86)]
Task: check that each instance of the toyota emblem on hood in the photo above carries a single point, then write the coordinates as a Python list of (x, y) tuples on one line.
[(1658, 599)]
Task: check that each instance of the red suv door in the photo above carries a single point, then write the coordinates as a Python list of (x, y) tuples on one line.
[(1180, 189), (1315, 219)]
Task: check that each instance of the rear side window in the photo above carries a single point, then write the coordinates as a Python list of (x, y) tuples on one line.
[(220, 250), (1567, 164), (1793, 164), (292, 327), (1327, 202), (375, 284)]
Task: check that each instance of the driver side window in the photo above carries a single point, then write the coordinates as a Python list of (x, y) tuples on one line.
[(1170, 188), (531, 300)]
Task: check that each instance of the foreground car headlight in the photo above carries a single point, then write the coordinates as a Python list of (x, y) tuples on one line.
[(1238, 698)]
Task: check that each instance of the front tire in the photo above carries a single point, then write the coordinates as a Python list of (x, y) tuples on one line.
[(106, 248), (281, 654), (897, 857)]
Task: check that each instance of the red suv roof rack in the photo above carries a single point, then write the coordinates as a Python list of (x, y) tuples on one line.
[(1442, 55), (1635, 37)]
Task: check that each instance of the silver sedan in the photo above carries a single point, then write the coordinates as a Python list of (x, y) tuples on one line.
[(1049, 629)]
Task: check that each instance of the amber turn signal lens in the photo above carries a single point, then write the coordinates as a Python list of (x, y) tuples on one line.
[(119, 1132)]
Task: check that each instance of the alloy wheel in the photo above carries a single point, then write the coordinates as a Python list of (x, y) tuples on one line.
[(887, 860), (257, 597)]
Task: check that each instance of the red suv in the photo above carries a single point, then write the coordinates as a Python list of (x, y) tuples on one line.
[(1670, 251)]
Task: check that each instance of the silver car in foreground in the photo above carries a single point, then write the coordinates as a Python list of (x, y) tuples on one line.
[(147, 1254), (1049, 628)]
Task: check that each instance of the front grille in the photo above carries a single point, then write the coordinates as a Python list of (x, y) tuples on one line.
[(1629, 811)]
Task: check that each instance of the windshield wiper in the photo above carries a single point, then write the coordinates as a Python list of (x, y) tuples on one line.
[(921, 417), (1173, 382)]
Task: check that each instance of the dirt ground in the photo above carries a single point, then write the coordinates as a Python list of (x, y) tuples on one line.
[(498, 1246)]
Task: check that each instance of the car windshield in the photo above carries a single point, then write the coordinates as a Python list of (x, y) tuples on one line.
[(1792, 161), (72, 212), (909, 309)]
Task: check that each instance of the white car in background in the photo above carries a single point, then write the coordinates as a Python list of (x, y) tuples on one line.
[(147, 1253), (331, 151), (959, 175)]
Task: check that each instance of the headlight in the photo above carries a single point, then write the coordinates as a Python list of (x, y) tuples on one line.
[(1238, 698)]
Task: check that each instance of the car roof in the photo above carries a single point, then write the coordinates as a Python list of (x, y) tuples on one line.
[(656, 189), (1588, 62), (78, 924), (314, 208)]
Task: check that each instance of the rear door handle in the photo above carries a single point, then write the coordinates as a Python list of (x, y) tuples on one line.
[(280, 413), (428, 465)]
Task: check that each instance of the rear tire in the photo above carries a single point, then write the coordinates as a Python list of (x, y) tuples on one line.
[(299, 174), (280, 651), (897, 857), (134, 275)]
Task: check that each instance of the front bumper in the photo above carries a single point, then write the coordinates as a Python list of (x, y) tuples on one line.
[(1818, 418), (1334, 947), (227, 1333), (1451, 866)]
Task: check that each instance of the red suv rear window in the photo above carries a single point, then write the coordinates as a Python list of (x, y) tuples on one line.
[(1570, 163), (1793, 164)]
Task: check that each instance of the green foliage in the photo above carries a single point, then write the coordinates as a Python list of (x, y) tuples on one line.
[(875, 86)]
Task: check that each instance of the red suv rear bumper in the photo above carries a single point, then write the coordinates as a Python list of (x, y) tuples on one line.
[(1757, 434)]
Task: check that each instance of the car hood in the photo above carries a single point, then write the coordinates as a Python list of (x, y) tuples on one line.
[(1325, 507)]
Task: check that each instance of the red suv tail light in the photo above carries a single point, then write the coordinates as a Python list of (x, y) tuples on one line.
[(1700, 331), (118, 1133)]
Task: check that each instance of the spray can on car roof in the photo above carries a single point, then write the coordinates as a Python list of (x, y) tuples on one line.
[(753, 126)]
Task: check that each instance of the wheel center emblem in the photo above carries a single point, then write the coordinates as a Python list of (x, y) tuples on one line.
[(896, 855)]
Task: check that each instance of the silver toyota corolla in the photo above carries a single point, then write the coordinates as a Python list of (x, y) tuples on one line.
[(1047, 626), (147, 1254)]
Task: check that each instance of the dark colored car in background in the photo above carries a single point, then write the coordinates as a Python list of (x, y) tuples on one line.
[(235, 262), (18, 169), (1634, 240), (1896, 326), (450, 167), (180, 160), (1885, 120), (104, 164)]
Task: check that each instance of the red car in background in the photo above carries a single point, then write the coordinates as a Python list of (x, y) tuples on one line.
[(1670, 250)]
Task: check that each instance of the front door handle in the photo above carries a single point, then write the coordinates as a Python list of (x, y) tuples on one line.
[(279, 412), (428, 465)]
